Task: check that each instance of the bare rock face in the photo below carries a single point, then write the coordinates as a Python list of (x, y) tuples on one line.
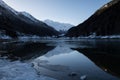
[(105, 21)]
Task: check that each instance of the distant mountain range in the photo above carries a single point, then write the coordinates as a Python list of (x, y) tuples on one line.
[(58, 26), (13, 22), (105, 21)]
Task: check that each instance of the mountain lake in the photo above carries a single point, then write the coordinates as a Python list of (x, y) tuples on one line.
[(66, 59)]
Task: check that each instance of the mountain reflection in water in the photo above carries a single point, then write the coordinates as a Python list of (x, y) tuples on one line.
[(24, 51), (105, 54), (67, 58), (95, 59)]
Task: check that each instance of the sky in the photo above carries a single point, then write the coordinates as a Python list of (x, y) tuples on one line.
[(66, 11)]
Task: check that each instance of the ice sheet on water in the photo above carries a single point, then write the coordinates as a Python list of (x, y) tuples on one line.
[(19, 71)]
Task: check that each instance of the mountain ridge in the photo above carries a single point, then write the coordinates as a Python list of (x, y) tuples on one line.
[(105, 21), (12, 22)]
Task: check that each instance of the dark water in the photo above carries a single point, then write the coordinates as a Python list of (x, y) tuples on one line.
[(94, 59)]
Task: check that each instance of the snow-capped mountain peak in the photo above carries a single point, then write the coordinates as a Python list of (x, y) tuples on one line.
[(58, 26)]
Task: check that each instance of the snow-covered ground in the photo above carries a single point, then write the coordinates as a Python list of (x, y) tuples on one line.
[(5, 37), (103, 37), (19, 71), (26, 38)]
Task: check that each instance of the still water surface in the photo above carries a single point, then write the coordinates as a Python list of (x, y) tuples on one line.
[(95, 59)]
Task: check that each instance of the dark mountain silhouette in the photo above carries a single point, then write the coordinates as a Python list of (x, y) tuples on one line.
[(24, 51), (13, 22), (105, 21)]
